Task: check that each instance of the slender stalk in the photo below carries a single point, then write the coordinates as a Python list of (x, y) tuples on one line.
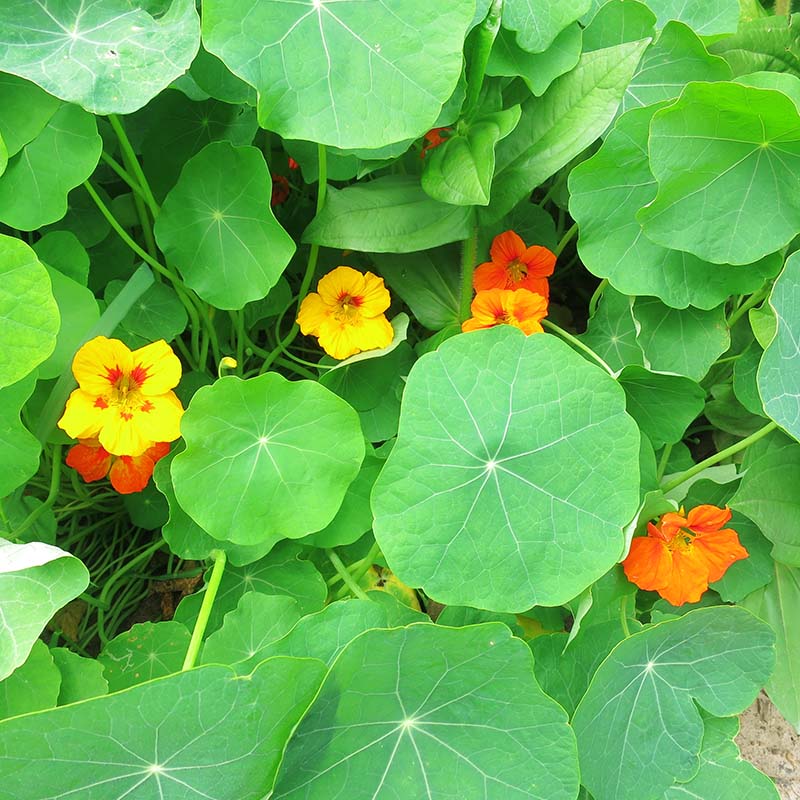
[(623, 616), (579, 344), (129, 155), (662, 464), (341, 569), (595, 298), (566, 239), (717, 457), (783, 8), (751, 301), (360, 568), (485, 35), (469, 257), (55, 483), (122, 173), (219, 558)]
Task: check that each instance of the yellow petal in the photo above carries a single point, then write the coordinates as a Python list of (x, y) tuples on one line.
[(99, 363), (375, 298), (338, 339), (374, 333), (313, 312), (82, 419), (161, 422), (156, 368), (122, 435), (339, 282)]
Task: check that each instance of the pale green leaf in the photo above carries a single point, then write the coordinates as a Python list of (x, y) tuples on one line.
[(33, 686), (538, 22), (705, 17), (81, 678), (20, 447)]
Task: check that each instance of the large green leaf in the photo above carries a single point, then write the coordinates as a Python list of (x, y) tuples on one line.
[(284, 453), (391, 214), (638, 727), (770, 43), (199, 734), (26, 109), (108, 56), (319, 66), (739, 159), (476, 503), (768, 496), (21, 447), (706, 17), (157, 314), (538, 22), (778, 604), (618, 21), (606, 191), (36, 580), (63, 251), (422, 710), (81, 678), (33, 686), (554, 128), (34, 187), (611, 331), (217, 226), (779, 371)]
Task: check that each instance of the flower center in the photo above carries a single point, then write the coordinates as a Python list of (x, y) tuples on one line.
[(125, 394), (682, 541), (347, 308), (517, 271)]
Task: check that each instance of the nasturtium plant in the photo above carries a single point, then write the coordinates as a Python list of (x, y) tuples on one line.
[(398, 399)]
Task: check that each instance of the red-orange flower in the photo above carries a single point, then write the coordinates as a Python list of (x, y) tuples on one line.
[(518, 307), (682, 554), (515, 266), (433, 138), (128, 474), (280, 190), (293, 164)]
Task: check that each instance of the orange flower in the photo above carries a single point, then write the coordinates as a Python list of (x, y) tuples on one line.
[(433, 138), (681, 555), (515, 266), (346, 313), (293, 164), (127, 473), (125, 398), (520, 308)]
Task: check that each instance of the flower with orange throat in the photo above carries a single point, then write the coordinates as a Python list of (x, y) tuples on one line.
[(124, 399), (515, 266), (433, 138), (518, 307), (128, 474), (346, 313), (683, 553)]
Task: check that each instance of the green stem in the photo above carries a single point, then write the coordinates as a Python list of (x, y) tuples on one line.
[(122, 173), (566, 239), (717, 457), (485, 35), (237, 317), (662, 464), (469, 257), (129, 155), (623, 616), (579, 344), (296, 368), (751, 301), (219, 557), (598, 293), (308, 276), (360, 568), (783, 8), (341, 569), (55, 482)]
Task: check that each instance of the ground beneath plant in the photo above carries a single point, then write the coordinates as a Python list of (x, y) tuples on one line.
[(769, 742)]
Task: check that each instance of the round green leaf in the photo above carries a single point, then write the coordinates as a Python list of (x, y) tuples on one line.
[(318, 66), (217, 226), (81, 678), (606, 191), (26, 110), (214, 78), (34, 187), (33, 686), (638, 727), (738, 159), (200, 734), (157, 314), (63, 251), (705, 17), (618, 21), (108, 56), (762, 43), (20, 447), (779, 371), (491, 495), (611, 331), (36, 580), (425, 710), (538, 22), (283, 454)]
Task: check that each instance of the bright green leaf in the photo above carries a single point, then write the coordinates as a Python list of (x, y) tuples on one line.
[(479, 467), (739, 158), (318, 66), (421, 710), (745, 383), (282, 472), (748, 574), (537, 24), (611, 331), (157, 314), (619, 21), (638, 727), (36, 580), (107, 56), (81, 678), (217, 226), (26, 110), (705, 17), (63, 251), (21, 448), (770, 43), (199, 734), (214, 78), (389, 214), (33, 686)]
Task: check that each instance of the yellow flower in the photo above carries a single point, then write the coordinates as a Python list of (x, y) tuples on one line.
[(346, 314), (124, 399)]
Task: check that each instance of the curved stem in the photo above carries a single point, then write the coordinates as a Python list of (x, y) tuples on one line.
[(220, 558), (623, 616), (598, 293), (341, 570), (662, 464), (129, 155), (751, 301), (55, 483), (717, 457), (575, 342), (469, 257), (566, 239)]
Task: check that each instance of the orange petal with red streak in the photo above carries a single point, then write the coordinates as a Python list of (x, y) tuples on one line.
[(90, 460), (648, 564), (720, 549)]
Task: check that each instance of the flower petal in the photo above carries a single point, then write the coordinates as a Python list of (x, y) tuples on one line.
[(689, 578), (156, 368), (84, 415), (539, 260), (99, 363), (375, 298), (122, 434), (159, 419), (528, 307), (506, 247), (487, 306), (489, 276), (720, 549), (540, 286), (89, 459), (338, 339), (131, 474), (339, 282), (648, 564), (704, 519), (313, 312)]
